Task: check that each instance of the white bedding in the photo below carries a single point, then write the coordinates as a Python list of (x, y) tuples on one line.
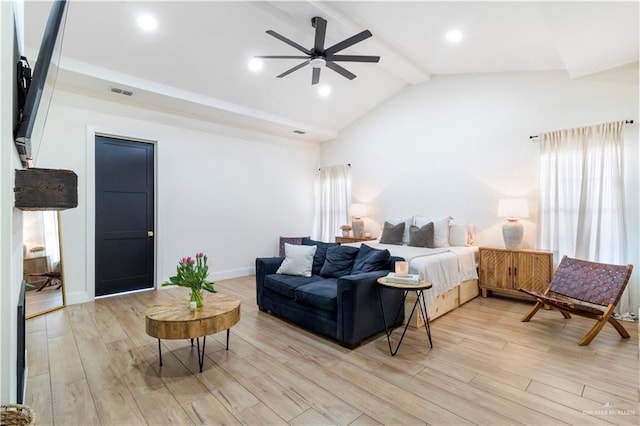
[(445, 267)]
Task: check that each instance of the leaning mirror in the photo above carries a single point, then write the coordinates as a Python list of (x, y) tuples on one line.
[(42, 267)]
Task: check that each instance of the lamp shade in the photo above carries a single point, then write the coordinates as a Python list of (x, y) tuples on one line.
[(513, 208), (357, 210)]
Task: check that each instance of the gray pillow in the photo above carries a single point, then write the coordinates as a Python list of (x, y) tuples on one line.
[(422, 237), (392, 234)]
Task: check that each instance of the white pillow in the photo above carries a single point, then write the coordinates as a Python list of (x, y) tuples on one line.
[(298, 260), (440, 228), (457, 235), (407, 224)]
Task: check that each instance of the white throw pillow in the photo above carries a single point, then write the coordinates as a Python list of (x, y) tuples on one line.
[(440, 228), (298, 260), (407, 224), (457, 235)]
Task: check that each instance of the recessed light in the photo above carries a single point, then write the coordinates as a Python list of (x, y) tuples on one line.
[(454, 36), (324, 91), (147, 22), (255, 64)]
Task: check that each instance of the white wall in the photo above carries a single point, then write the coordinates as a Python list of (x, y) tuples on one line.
[(456, 144), (10, 218), (226, 192)]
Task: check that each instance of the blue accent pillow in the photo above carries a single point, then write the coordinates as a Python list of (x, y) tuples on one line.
[(370, 259), (321, 253), (339, 261)]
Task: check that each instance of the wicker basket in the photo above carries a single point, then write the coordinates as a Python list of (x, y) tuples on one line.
[(16, 414)]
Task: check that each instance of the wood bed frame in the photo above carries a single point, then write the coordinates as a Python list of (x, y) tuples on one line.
[(444, 303)]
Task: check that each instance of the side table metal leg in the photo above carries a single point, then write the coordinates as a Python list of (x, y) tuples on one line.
[(228, 339), (201, 354), (384, 320), (395, 319), (406, 326), (425, 314), (160, 352)]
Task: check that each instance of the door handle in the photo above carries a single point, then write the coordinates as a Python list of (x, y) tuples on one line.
[(149, 233)]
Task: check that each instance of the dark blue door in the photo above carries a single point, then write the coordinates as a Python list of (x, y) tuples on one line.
[(124, 215)]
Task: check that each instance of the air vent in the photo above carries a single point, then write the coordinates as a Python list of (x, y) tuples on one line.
[(121, 91), (300, 132)]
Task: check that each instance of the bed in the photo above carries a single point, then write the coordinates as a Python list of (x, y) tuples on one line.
[(452, 271)]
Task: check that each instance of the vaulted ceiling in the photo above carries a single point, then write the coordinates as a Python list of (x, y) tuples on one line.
[(195, 62)]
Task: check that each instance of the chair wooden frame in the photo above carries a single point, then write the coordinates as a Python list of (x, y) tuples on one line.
[(52, 277), (587, 289)]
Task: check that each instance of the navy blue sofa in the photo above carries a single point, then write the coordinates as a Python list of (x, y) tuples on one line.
[(346, 308)]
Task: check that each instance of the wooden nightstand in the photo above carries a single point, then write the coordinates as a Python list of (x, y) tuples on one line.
[(342, 240), (506, 270)]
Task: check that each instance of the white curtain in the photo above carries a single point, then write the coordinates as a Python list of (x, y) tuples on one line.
[(581, 195), (51, 240), (333, 195)]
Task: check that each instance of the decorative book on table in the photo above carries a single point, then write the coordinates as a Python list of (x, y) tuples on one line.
[(392, 277)]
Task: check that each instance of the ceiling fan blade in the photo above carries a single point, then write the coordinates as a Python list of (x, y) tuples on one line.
[(320, 25), (289, 42), (343, 72), (348, 42), (315, 78), (353, 58), (282, 57), (297, 67)]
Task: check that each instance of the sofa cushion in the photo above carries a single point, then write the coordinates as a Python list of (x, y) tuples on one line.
[(286, 285), (321, 253), (370, 259), (320, 295), (298, 260), (392, 234), (339, 261)]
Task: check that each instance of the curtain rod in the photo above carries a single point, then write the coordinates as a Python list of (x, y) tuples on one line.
[(625, 122), (348, 164)]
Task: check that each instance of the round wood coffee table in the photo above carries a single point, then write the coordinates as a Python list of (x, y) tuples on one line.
[(174, 320)]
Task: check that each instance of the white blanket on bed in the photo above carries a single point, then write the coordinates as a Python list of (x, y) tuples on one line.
[(446, 267)]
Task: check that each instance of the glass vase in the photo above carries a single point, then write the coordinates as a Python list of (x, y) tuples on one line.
[(196, 296)]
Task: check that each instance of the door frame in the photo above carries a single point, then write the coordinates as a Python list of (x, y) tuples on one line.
[(90, 249)]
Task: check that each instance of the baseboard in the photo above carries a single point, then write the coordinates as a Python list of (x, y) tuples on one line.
[(233, 273), (77, 297), (82, 296)]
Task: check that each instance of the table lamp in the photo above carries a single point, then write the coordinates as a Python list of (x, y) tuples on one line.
[(357, 210), (512, 230)]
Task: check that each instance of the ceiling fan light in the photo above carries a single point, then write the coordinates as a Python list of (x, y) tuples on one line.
[(454, 36), (324, 90), (255, 64), (147, 22), (318, 62)]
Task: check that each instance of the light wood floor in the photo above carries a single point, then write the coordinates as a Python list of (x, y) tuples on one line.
[(47, 299), (94, 364)]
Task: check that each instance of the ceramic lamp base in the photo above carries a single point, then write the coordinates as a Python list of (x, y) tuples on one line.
[(512, 232), (357, 226)]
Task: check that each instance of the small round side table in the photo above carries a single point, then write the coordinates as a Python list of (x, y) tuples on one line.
[(419, 289)]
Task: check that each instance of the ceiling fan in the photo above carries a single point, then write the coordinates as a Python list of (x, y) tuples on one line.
[(319, 57)]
